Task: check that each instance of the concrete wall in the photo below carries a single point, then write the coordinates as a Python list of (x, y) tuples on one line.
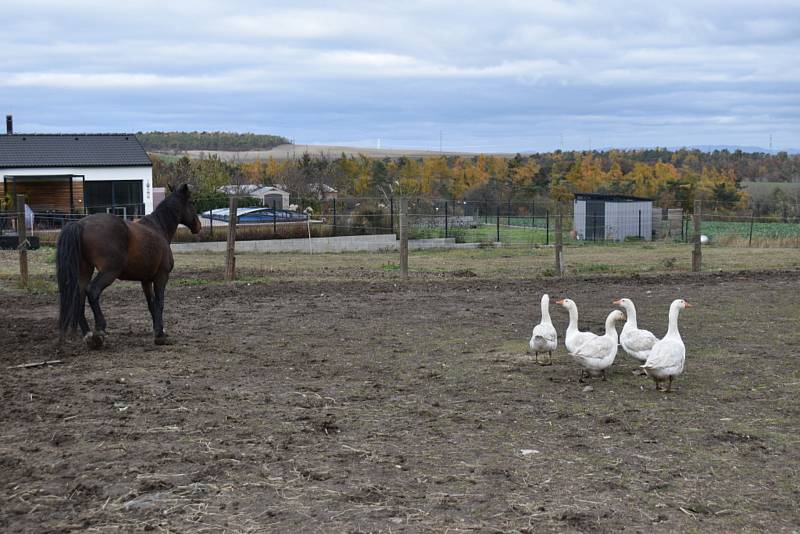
[(356, 243), (437, 221), (316, 244)]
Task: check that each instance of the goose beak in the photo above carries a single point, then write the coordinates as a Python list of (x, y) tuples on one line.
[(617, 302), (687, 305), (560, 301)]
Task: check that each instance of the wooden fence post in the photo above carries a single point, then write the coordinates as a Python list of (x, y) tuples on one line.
[(230, 253), (697, 253), (22, 241), (404, 238), (559, 246)]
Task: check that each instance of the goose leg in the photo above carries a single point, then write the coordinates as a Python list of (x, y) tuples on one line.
[(549, 357), (604, 374), (658, 388), (669, 385)]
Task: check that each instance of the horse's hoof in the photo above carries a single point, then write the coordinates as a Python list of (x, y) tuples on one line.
[(94, 340), (163, 340)]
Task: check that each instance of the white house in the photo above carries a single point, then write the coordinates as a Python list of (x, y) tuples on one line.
[(77, 173)]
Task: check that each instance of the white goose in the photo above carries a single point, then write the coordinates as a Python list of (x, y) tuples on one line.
[(636, 342), (574, 338), (668, 354), (597, 355), (544, 337)]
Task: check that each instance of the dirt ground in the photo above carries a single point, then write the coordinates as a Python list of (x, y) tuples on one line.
[(365, 404)]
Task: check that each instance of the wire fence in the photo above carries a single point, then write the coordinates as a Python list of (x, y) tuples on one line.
[(476, 222)]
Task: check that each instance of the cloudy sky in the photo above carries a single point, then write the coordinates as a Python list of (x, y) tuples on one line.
[(503, 75)]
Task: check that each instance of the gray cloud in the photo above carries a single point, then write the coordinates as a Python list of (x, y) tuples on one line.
[(506, 75)]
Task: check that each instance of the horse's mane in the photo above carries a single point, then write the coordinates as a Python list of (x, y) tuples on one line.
[(166, 216)]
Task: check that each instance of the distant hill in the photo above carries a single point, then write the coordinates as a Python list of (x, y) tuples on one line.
[(182, 141), (734, 148), (288, 151)]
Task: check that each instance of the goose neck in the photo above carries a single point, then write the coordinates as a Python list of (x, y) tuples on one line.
[(611, 329), (672, 330), (573, 318), (545, 311), (630, 311)]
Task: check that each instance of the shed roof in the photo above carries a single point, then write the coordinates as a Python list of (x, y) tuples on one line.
[(72, 150), (267, 190), (611, 197)]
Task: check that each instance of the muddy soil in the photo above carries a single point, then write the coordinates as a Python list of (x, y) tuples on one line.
[(372, 405)]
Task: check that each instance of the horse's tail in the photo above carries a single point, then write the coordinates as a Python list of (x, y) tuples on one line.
[(68, 258)]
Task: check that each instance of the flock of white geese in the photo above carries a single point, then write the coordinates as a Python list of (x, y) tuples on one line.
[(662, 359)]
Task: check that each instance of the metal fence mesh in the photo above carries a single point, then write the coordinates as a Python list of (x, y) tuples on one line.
[(487, 222)]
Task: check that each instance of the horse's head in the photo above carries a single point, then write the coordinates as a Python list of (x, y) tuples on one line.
[(187, 214)]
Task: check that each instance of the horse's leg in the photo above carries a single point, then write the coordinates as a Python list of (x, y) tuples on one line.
[(83, 282), (96, 286), (147, 287), (159, 285)]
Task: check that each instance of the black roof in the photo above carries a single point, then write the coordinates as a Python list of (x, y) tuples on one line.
[(610, 197), (72, 150)]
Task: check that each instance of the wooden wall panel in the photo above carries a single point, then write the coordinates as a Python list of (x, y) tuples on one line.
[(48, 195)]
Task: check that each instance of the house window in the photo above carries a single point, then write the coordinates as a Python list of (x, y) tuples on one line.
[(127, 193), (114, 196), (98, 195)]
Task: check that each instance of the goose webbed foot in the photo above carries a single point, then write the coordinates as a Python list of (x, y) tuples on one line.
[(657, 383), (669, 385)]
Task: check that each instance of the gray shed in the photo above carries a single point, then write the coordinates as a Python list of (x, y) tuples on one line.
[(601, 217)]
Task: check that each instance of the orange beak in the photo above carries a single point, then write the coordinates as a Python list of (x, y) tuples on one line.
[(617, 302), (688, 305), (560, 301)]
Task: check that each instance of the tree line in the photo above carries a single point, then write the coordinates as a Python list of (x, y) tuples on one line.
[(671, 178), (180, 141)]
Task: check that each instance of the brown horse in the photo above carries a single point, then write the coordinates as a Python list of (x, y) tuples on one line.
[(118, 250)]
